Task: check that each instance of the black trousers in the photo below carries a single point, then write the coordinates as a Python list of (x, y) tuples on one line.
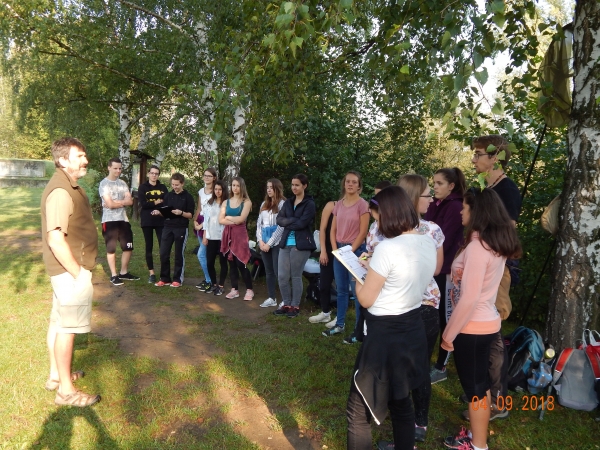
[(359, 422), (442, 359), (149, 239), (170, 236), (213, 249), (422, 395), (498, 371), (325, 280), (234, 265)]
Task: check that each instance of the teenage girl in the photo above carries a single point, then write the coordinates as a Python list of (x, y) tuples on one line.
[(349, 227), (268, 234), (491, 238), (326, 268), (204, 195), (448, 186), (213, 232), (297, 243), (234, 243)]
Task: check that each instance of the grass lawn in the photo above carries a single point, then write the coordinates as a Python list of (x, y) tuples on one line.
[(149, 404)]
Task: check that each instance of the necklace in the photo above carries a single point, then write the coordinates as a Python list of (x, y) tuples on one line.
[(497, 180)]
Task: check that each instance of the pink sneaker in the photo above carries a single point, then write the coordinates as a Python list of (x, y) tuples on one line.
[(161, 283), (175, 284), (233, 293), (249, 295)]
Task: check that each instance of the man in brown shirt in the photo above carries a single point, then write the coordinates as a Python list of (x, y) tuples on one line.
[(70, 247)]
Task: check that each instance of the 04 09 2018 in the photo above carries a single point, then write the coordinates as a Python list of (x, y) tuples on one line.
[(516, 403)]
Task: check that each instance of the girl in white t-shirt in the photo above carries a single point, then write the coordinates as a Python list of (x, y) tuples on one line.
[(393, 358), (204, 195)]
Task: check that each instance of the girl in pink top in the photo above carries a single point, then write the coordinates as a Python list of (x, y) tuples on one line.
[(474, 324), (349, 227)]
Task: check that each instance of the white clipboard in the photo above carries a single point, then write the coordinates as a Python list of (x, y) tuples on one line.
[(346, 256)]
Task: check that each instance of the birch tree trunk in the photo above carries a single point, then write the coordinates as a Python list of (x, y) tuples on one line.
[(238, 144), (573, 303), (125, 141)]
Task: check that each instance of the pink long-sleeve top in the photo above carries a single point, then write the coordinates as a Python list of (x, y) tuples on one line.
[(476, 275)]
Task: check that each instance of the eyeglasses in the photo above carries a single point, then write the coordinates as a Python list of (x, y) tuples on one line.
[(477, 155), (154, 173), (208, 176)]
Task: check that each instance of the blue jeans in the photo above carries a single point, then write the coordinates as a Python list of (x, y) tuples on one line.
[(343, 279), (202, 260)]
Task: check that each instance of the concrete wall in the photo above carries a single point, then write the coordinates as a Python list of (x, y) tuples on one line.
[(22, 183), (18, 168)]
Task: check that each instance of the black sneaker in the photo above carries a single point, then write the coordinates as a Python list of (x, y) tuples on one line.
[(152, 279), (210, 288), (385, 445), (204, 285), (282, 311), (116, 281), (128, 276), (218, 291), (350, 339), (293, 311)]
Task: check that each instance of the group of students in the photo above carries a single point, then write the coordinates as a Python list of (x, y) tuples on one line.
[(436, 267)]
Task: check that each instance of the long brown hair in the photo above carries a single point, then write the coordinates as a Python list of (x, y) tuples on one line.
[(272, 204), (243, 191), (456, 176), (343, 183), (224, 192), (414, 185), (397, 215), (489, 218)]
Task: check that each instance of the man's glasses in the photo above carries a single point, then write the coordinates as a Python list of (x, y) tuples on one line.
[(477, 155), (154, 173)]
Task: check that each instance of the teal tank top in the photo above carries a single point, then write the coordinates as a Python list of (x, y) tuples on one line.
[(233, 212)]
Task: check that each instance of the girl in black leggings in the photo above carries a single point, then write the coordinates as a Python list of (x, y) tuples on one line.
[(213, 231)]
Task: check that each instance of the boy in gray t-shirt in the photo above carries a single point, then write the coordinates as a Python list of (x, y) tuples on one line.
[(115, 196)]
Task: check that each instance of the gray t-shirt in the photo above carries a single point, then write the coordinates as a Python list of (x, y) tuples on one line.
[(116, 190)]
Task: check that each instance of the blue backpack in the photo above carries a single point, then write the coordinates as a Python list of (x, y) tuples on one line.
[(525, 351)]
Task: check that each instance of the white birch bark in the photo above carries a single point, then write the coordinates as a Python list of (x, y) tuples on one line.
[(575, 296), (238, 145), (124, 136)]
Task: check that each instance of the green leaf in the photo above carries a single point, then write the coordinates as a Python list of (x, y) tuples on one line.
[(499, 20), (501, 156), (509, 128), (477, 60), (498, 109), (454, 102), (498, 6), (289, 7), (303, 11), (465, 122), (298, 41), (490, 148), (446, 38), (405, 69), (346, 4), (481, 179), (482, 76)]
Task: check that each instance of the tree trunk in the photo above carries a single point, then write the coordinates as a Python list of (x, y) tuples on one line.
[(237, 146), (573, 303), (125, 141)]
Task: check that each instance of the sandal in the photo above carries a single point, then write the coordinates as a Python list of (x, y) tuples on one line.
[(77, 398), (249, 295), (52, 385)]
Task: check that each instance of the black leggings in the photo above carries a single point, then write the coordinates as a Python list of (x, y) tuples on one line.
[(149, 238), (443, 355), (422, 395), (213, 248), (234, 265), (325, 280)]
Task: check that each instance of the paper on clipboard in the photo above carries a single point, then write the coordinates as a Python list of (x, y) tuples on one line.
[(346, 256)]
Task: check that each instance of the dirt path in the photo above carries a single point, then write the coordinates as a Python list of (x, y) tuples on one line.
[(145, 326)]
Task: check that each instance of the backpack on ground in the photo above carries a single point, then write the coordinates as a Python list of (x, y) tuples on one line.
[(525, 350), (577, 376)]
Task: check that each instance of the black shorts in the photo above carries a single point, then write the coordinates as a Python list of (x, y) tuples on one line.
[(117, 231), (472, 360)]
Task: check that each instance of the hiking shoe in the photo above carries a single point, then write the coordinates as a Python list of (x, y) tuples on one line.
[(331, 323), (420, 433), (332, 331), (162, 283), (218, 291), (128, 276), (320, 318), (175, 284), (438, 375), (461, 441), (350, 339), (233, 293), (152, 279), (385, 445), (293, 311), (204, 285), (282, 310), (116, 281), (268, 302)]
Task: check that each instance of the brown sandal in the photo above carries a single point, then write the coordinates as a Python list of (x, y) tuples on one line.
[(77, 398), (52, 385)]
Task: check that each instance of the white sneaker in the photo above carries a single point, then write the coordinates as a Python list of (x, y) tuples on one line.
[(332, 323), (268, 302), (281, 304), (320, 318)]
